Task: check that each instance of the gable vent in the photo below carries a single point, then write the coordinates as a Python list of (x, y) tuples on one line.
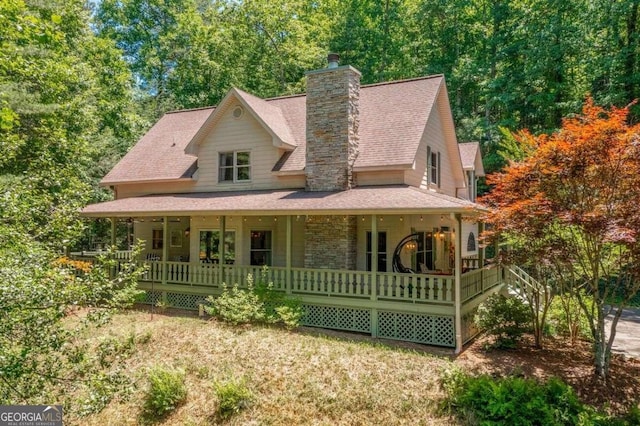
[(238, 112)]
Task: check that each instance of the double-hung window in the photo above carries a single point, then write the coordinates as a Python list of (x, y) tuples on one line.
[(234, 166), (433, 167), (260, 248)]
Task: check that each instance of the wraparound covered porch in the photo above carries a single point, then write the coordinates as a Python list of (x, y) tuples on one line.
[(352, 267)]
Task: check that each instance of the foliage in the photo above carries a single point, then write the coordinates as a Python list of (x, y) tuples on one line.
[(40, 345), (167, 391), (505, 318), (258, 303), (513, 400), (570, 206), (236, 306), (233, 396), (567, 317)]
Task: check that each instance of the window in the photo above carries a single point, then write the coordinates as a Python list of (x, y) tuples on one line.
[(156, 239), (210, 246), (433, 167), (425, 254), (260, 248), (234, 166), (471, 242), (382, 251)]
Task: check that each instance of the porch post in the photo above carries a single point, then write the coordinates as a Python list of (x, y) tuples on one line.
[(221, 251), (374, 273), (113, 231), (480, 247), (287, 280), (480, 254), (165, 248), (112, 271), (458, 292)]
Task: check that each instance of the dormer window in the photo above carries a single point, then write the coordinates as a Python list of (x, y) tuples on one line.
[(235, 166)]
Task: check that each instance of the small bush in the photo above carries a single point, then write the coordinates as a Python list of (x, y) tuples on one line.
[(167, 391), (233, 396), (513, 400), (505, 318), (568, 319), (259, 303), (236, 306)]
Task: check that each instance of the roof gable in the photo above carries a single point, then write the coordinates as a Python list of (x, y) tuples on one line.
[(268, 115), (471, 157)]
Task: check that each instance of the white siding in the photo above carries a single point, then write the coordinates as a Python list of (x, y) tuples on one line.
[(433, 137), (397, 227), (380, 178), (143, 230), (243, 134), (468, 228)]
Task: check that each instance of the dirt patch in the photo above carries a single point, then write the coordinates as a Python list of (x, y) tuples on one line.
[(574, 365)]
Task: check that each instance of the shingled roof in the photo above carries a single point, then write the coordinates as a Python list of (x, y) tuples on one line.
[(391, 199), (469, 155), (393, 117)]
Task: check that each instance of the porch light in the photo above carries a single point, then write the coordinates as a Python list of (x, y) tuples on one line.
[(411, 245), (441, 233)]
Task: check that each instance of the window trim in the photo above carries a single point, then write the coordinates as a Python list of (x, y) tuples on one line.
[(266, 250), (368, 250), (233, 167), (434, 167), (216, 253)]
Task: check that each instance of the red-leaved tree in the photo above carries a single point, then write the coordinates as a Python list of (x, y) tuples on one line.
[(572, 208)]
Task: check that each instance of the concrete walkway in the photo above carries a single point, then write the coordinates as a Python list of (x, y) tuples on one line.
[(627, 341)]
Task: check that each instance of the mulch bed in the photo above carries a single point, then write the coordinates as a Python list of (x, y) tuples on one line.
[(573, 364)]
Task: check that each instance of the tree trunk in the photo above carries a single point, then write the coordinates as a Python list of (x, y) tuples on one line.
[(601, 361)]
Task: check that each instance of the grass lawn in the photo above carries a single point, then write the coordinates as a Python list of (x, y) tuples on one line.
[(297, 377), (310, 376)]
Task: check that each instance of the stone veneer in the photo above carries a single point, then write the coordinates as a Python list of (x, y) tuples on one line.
[(333, 102), (330, 242)]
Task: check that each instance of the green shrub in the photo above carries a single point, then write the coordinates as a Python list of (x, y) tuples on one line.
[(233, 396), (236, 306), (505, 318), (258, 303), (567, 318), (513, 400), (167, 391)]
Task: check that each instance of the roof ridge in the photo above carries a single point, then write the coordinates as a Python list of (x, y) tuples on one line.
[(406, 80), (191, 109)]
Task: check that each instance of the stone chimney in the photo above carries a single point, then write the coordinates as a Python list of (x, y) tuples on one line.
[(333, 106), (333, 102)]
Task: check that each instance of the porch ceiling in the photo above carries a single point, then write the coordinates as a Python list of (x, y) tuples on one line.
[(363, 200)]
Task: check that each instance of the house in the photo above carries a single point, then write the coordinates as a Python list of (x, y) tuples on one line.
[(358, 198)]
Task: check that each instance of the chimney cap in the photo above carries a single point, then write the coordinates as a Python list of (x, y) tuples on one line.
[(333, 59)]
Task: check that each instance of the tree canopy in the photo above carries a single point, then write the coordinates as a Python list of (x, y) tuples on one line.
[(570, 207)]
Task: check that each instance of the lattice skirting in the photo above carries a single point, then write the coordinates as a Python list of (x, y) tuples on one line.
[(420, 328), (174, 300), (151, 297), (349, 319)]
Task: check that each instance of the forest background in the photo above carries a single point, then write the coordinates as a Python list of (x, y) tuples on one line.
[(81, 82)]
